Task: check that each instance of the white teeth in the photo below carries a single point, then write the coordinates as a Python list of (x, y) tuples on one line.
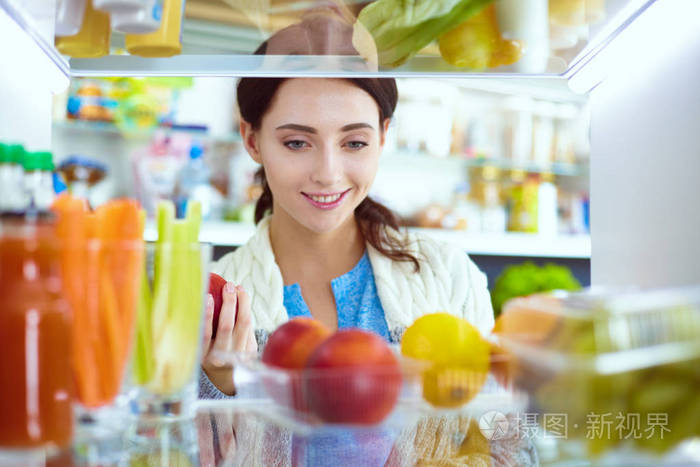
[(325, 199)]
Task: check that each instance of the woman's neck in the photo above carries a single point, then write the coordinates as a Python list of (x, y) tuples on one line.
[(303, 255)]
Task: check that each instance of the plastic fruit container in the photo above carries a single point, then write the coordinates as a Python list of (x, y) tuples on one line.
[(617, 370), (338, 396), (372, 399)]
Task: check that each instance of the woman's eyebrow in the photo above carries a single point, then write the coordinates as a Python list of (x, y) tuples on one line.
[(294, 126), (308, 129), (355, 126)]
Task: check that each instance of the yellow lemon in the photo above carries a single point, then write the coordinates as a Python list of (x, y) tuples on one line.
[(459, 354)]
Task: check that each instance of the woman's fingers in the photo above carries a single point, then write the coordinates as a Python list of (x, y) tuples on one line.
[(224, 333), (244, 325), (208, 323)]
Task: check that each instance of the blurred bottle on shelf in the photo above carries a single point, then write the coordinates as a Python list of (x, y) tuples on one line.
[(547, 216), (518, 129), (11, 178), (81, 174), (564, 134), (156, 170), (38, 180), (543, 135), (194, 184), (465, 213), (523, 202), (486, 192), (93, 38)]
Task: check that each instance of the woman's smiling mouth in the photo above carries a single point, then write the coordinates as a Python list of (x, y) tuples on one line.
[(326, 200)]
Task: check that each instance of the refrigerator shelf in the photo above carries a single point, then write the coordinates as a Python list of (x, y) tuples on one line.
[(218, 40)]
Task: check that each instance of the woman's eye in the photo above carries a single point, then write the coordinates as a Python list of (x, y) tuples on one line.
[(295, 144), (356, 144)]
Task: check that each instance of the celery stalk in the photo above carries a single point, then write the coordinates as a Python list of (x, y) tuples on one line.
[(143, 353), (179, 292), (162, 272)]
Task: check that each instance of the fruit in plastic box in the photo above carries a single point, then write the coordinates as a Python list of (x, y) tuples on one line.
[(458, 353), (289, 347), (353, 377)]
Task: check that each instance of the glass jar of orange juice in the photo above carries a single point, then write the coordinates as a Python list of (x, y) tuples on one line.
[(35, 332)]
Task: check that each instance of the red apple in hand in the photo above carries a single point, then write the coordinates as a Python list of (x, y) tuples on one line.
[(289, 347), (352, 377), (216, 289)]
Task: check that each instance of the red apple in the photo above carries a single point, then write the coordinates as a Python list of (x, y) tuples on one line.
[(352, 377), (216, 288), (289, 347)]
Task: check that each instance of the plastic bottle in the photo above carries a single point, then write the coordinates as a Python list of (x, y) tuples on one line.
[(93, 38), (493, 212), (11, 178), (167, 40), (523, 203), (69, 17), (142, 20), (38, 180), (547, 221), (194, 184), (466, 212)]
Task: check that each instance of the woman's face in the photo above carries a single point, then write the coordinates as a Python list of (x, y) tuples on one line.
[(319, 143)]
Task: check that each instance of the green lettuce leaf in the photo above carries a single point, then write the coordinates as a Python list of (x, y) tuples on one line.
[(401, 28)]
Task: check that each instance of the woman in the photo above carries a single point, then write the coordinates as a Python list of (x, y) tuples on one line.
[(322, 247)]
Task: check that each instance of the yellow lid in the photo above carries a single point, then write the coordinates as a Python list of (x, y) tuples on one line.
[(93, 38)]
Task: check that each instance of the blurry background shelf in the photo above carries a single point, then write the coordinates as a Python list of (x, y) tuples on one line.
[(457, 162), (232, 234), (105, 128)]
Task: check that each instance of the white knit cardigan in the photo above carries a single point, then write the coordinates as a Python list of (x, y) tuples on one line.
[(447, 281)]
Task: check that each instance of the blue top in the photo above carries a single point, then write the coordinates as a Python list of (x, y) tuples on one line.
[(356, 300), (358, 306)]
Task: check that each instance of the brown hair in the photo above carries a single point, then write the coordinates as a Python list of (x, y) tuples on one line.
[(254, 98)]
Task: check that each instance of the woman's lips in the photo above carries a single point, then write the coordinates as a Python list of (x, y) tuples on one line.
[(326, 200)]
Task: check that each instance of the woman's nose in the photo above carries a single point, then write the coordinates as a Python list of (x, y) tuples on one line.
[(327, 168)]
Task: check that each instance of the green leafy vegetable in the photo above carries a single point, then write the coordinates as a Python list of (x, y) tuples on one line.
[(401, 28), (519, 280)]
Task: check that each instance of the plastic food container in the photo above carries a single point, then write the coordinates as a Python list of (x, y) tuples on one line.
[(618, 371), (338, 399)]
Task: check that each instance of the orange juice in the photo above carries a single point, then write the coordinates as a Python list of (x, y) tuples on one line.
[(35, 332)]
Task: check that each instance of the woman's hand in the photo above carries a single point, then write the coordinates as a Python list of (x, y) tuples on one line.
[(234, 334)]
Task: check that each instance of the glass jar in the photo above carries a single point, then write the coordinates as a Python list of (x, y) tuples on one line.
[(36, 384)]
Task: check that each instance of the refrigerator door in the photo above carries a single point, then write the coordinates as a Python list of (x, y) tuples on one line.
[(645, 154)]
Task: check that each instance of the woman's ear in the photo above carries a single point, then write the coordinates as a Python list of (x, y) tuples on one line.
[(385, 128), (250, 141)]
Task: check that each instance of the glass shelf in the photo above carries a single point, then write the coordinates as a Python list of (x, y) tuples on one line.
[(240, 433), (220, 36)]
